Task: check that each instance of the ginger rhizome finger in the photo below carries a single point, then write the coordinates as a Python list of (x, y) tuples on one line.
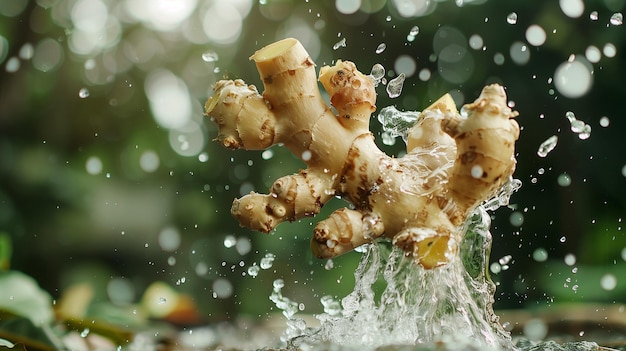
[(419, 201)]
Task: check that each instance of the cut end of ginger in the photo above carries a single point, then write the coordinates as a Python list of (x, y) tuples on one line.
[(274, 50)]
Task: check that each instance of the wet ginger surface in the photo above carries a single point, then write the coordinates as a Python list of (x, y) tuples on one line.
[(419, 201)]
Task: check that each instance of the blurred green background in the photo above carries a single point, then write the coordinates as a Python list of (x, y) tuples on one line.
[(108, 173)]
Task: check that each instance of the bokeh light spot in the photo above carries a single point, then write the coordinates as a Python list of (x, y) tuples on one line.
[(535, 35), (149, 161), (573, 78), (169, 98), (347, 7), (188, 140), (414, 8), (609, 50), (222, 23), (572, 8), (405, 64), (593, 54), (519, 53), (89, 15), (93, 165), (169, 239), (12, 8), (48, 55), (608, 282)]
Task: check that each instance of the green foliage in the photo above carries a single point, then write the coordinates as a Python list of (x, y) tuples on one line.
[(5, 251)]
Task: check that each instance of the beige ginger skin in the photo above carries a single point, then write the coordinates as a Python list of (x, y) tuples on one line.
[(419, 201)]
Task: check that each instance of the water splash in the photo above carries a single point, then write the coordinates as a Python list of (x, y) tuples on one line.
[(340, 44), (577, 126), (450, 305), (547, 146), (394, 88), (381, 47), (210, 56), (395, 122), (377, 74)]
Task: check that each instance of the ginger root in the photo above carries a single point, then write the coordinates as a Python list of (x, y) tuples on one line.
[(419, 201)]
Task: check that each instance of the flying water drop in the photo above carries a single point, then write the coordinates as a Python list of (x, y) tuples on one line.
[(381, 47), (577, 126), (253, 270), (377, 74), (341, 43), (267, 261), (617, 19), (511, 18), (547, 146), (83, 93), (394, 87), (413, 33), (396, 123), (210, 56)]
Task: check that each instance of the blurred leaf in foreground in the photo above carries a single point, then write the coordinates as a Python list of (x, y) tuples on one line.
[(5, 251), (22, 296)]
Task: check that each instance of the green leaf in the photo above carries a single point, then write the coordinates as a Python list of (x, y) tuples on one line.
[(6, 343), (5, 251), (20, 330), (22, 296)]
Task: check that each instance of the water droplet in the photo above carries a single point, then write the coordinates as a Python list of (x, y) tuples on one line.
[(593, 15), (306, 155), (267, 261), (278, 284), (476, 171), (495, 268), (413, 33), (505, 259), (586, 132), (617, 19), (230, 241), (329, 264), (331, 306), (339, 44), (162, 300), (84, 333), (394, 87), (83, 93), (210, 56), (547, 146), (377, 73), (511, 18), (253, 270), (381, 47), (563, 239), (396, 123)]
